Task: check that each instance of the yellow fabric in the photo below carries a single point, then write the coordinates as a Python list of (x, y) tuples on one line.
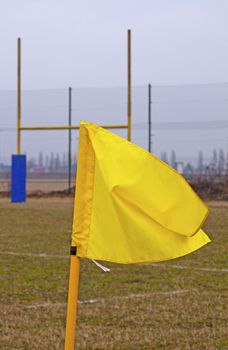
[(130, 206)]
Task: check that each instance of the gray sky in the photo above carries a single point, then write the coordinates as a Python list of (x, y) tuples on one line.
[(83, 43)]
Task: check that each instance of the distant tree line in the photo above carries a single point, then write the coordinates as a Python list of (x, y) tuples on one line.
[(217, 163), (52, 163)]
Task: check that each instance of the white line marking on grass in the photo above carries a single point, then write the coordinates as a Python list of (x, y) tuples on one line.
[(41, 255), (44, 305), (121, 297), (180, 267), (148, 295)]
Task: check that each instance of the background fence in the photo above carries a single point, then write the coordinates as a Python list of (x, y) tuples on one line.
[(189, 128)]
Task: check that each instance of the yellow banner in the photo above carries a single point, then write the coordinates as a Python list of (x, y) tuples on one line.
[(131, 207)]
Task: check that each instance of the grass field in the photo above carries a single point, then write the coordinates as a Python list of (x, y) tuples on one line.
[(179, 305)]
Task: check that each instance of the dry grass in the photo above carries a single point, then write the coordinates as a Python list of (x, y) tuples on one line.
[(45, 185), (135, 306)]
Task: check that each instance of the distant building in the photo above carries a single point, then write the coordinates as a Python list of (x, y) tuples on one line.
[(180, 167), (38, 170), (188, 170)]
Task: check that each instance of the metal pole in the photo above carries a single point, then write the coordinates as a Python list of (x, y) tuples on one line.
[(18, 95), (149, 118), (69, 138), (129, 85)]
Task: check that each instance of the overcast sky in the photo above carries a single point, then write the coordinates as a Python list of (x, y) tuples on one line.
[(83, 42)]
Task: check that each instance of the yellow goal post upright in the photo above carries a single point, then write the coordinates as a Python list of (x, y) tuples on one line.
[(18, 161)]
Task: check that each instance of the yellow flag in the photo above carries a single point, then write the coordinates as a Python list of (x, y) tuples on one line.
[(131, 207)]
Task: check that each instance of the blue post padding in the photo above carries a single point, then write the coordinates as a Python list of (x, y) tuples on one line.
[(18, 178)]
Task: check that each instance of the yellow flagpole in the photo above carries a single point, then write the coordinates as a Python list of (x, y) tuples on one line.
[(72, 300)]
